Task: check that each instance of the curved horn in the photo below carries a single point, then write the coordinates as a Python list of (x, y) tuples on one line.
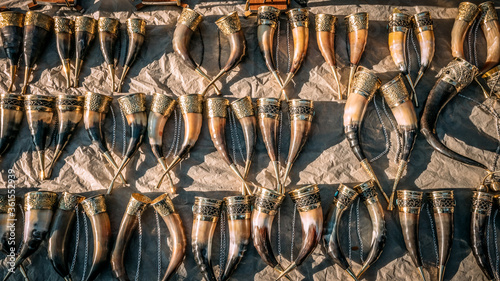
[(37, 28), (108, 34), (85, 29), (206, 213), (342, 200), (95, 208), (134, 108), (398, 99), (457, 75), (65, 30), (357, 35), (492, 80), (11, 112), (325, 36), (467, 13), (60, 233), (409, 203), (423, 26), (491, 30), (136, 30), (11, 30), (482, 203), (136, 205), (164, 206)]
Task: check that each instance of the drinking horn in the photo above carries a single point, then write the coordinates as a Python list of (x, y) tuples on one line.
[(186, 25), (108, 34), (364, 86), (136, 30), (134, 108), (65, 31), (491, 30), (136, 206), (37, 28), (38, 209), (60, 233), (357, 35), (164, 206), (424, 29), (409, 204), (85, 29), (308, 203), (11, 27), (492, 78), (343, 198), (216, 110), (95, 108), (230, 26), (325, 36), (39, 111), (11, 112), (467, 13), (454, 77), (95, 208), (482, 203), (368, 195), (70, 112), (191, 110), (398, 99), (239, 212), (299, 21), (206, 213), (443, 204)]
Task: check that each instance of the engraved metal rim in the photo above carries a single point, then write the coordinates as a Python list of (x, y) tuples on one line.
[(238, 199), (392, 82), (291, 12), (268, 101), (159, 199), (268, 9), (304, 191), (362, 187), (198, 14), (410, 194), (241, 99), (69, 198), (347, 190), (320, 18), (70, 97), (422, 15), (301, 102), (491, 72), (17, 14), (141, 198), (106, 97), (224, 18), (93, 211), (466, 63), (441, 194), (360, 14), (204, 201), (482, 195), (266, 192), (28, 205), (8, 96), (362, 69), (399, 16)]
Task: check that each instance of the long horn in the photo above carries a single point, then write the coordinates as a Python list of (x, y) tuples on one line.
[(136, 205), (70, 112), (364, 86), (191, 110), (301, 116), (38, 207), (398, 99), (342, 200), (11, 113), (457, 75), (108, 34), (325, 36), (308, 202), (37, 28), (206, 213), (409, 204), (467, 13), (65, 31), (60, 233), (491, 30), (136, 30), (85, 30), (368, 195), (443, 203), (11, 30), (134, 108), (230, 26), (95, 208), (482, 203), (187, 23), (424, 29), (239, 212), (164, 206), (357, 35)]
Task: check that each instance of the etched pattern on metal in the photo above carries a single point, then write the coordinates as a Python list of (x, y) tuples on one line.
[(85, 24), (39, 103), (307, 202), (68, 201), (216, 107), (163, 104), (39, 19), (40, 200), (133, 103), (97, 102), (191, 103), (488, 12), (229, 24), (64, 25), (136, 26), (94, 205), (70, 102), (459, 73), (467, 12), (365, 83), (108, 25), (442, 203), (356, 22), (12, 101), (325, 22), (481, 206), (11, 19), (301, 113), (268, 15), (243, 107), (395, 92), (206, 211), (190, 18)]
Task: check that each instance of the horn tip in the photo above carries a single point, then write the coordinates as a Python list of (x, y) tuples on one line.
[(351, 273), (421, 271), (441, 272)]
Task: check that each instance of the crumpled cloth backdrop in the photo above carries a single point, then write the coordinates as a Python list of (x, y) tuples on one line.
[(325, 160)]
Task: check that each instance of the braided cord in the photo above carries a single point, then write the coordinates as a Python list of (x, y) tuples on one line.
[(139, 255), (384, 130), (73, 262), (158, 244)]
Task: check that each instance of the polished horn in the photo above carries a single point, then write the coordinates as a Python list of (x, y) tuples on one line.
[(136, 30), (11, 112), (108, 35), (424, 29), (357, 35), (491, 30), (11, 30), (482, 203), (85, 29), (65, 32), (467, 13)]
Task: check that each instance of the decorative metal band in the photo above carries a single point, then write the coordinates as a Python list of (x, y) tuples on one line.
[(85, 24), (206, 209), (238, 207), (467, 12), (229, 24), (459, 72), (39, 19), (64, 25), (268, 15), (325, 22), (216, 107), (11, 19), (190, 18), (492, 78), (356, 22), (268, 201), (94, 205), (422, 22), (442, 201), (137, 204), (5, 204), (12, 101), (192, 103), (301, 110), (133, 103), (268, 108), (399, 22), (136, 26), (97, 102), (110, 25), (39, 103), (365, 83), (68, 201), (163, 205), (243, 107), (488, 12), (344, 197), (409, 201), (367, 192), (298, 17), (482, 202), (306, 198), (40, 200), (163, 104), (70, 102), (395, 92)]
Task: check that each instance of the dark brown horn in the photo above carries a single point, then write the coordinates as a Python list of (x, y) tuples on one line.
[(11, 112), (11, 30), (136, 30), (467, 13), (65, 32), (357, 35), (108, 35), (482, 203), (424, 29), (85, 29)]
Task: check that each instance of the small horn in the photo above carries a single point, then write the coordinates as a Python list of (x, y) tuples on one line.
[(85, 29), (65, 32), (467, 13), (11, 30), (108, 34), (357, 35), (11, 113), (136, 30), (423, 26), (482, 203)]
